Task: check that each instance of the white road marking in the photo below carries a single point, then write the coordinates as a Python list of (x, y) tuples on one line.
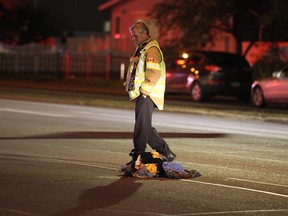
[(188, 180), (236, 187), (32, 112), (207, 183), (233, 212), (257, 182)]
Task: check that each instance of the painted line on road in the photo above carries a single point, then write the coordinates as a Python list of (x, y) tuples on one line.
[(257, 182), (233, 212), (207, 183), (32, 112), (238, 188)]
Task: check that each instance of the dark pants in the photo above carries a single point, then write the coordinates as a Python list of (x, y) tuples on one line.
[(143, 131)]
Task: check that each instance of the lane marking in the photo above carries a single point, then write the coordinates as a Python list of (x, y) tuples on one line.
[(265, 183), (133, 212), (32, 112), (207, 183), (234, 212), (187, 180), (238, 188)]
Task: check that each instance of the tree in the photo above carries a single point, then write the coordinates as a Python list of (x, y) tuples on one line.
[(202, 21)]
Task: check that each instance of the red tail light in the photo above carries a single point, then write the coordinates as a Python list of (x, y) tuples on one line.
[(168, 75), (212, 68), (180, 62)]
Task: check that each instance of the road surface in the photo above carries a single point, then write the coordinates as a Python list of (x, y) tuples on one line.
[(62, 160)]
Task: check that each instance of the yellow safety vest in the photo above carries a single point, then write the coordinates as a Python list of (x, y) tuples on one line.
[(156, 93)]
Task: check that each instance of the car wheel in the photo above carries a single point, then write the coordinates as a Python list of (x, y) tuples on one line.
[(197, 92), (258, 97)]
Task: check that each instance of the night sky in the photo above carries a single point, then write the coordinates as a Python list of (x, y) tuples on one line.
[(69, 15), (74, 15)]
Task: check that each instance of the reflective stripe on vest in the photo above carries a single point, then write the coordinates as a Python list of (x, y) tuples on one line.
[(157, 91), (152, 65)]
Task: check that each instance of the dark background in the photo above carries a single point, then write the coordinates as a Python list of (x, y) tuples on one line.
[(73, 15), (37, 19)]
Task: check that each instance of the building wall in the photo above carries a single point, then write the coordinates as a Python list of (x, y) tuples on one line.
[(123, 15)]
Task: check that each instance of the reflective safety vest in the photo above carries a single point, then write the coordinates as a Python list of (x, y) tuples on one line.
[(155, 92)]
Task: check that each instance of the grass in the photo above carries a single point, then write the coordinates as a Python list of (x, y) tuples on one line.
[(81, 91), (79, 84)]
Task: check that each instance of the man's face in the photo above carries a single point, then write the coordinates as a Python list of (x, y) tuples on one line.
[(138, 37)]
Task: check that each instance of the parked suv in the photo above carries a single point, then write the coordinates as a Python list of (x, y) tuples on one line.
[(205, 73)]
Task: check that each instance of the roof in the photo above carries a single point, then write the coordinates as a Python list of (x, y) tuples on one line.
[(108, 4)]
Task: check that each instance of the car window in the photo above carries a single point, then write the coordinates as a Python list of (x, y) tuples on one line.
[(228, 60), (195, 58), (220, 59)]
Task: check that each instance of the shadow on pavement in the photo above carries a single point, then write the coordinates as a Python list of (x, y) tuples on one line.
[(102, 196), (112, 135)]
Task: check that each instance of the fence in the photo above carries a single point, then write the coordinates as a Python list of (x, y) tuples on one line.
[(107, 64)]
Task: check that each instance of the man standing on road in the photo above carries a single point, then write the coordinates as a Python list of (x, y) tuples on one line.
[(145, 83)]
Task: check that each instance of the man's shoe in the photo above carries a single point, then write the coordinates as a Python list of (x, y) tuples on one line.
[(167, 155)]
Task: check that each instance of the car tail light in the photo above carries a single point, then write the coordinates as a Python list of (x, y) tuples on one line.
[(168, 75), (180, 62), (212, 68)]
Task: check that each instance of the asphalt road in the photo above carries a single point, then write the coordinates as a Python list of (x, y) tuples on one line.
[(63, 160), (217, 106)]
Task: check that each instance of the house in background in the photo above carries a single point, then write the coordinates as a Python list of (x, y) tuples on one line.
[(117, 39), (125, 12)]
